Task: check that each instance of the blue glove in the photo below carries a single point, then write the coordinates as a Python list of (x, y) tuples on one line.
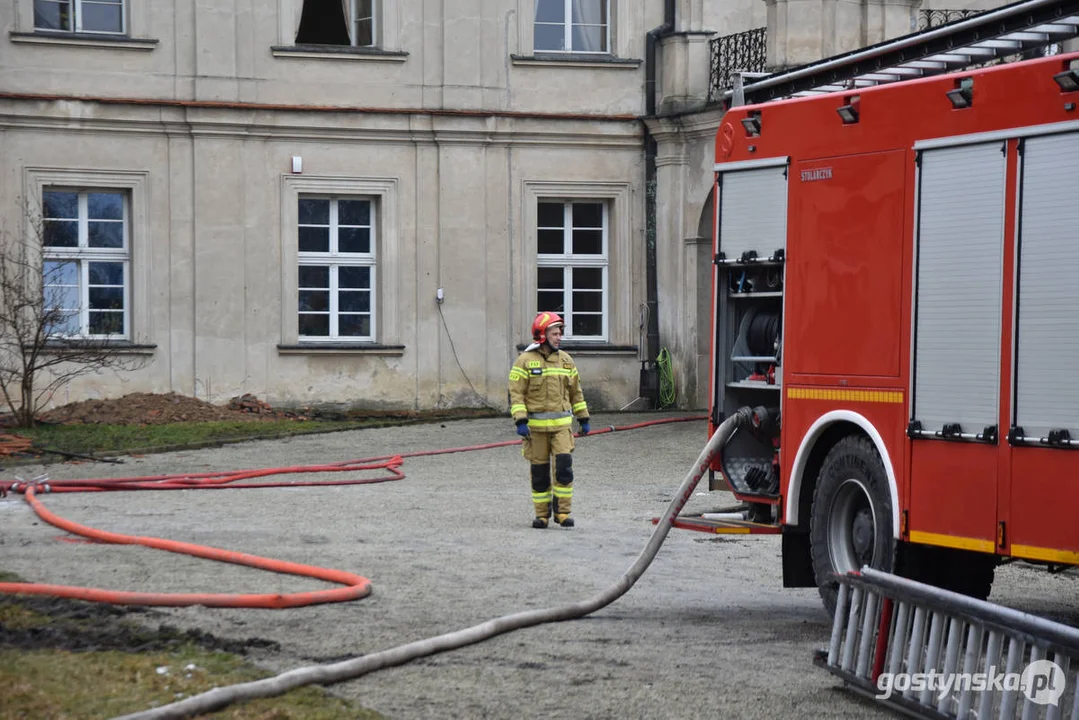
[(522, 429), (585, 427)]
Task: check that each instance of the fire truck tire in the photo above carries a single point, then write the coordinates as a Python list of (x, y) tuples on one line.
[(851, 518)]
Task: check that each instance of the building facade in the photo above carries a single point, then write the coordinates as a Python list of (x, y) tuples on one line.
[(363, 203)]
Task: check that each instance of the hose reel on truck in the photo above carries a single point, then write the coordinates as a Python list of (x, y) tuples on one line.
[(753, 462), (750, 224)]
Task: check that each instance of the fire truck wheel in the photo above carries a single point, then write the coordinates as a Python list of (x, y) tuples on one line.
[(851, 519)]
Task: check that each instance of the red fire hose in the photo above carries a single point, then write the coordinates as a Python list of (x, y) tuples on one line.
[(355, 586)]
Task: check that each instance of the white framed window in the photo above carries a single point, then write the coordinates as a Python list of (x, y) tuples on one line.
[(86, 261), (363, 23), (572, 264), (320, 228), (572, 26), (336, 277), (353, 23), (107, 17)]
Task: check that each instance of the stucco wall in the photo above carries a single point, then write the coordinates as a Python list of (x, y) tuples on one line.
[(219, 305), (472, 54), (727, 17)]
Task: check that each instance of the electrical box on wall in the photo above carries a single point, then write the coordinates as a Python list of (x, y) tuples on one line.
[(297, 164)]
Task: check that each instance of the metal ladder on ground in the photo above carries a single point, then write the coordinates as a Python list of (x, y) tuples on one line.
[(937, 654)]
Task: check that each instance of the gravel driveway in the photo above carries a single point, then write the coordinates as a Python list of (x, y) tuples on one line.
[(707, 632)]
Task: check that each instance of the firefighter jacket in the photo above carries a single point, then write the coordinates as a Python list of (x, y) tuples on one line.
[(546, 389)]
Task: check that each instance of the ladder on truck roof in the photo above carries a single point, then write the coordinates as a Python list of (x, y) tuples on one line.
[(990, 37), (932, 653)]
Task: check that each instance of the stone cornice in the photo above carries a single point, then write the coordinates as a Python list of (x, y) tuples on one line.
[(291, 123), (691, 126), (581, 60), (93, 40), (338, 52), (402, 135), (326, 109)]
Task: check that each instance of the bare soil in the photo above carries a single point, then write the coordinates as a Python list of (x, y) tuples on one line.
[(159, 409), (78, 626), (164, 408)]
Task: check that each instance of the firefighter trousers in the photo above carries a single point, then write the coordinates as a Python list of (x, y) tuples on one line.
[(539, 449)]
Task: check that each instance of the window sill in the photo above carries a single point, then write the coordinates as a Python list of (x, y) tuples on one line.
[(111, 42), (338, 52), (118, 347), (576, 60), (599, 348), (340, 349)]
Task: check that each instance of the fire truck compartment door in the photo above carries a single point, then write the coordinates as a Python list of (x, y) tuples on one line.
[(752, 211), (959, 261), (1047, 352)]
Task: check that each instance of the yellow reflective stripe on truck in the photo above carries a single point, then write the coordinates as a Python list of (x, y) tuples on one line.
[(872, 396)]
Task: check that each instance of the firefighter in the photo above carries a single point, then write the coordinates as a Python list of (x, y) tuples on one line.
[(545, 396)]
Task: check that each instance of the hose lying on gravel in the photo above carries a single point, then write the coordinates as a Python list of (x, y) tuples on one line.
[(355, 586), (218, 698)]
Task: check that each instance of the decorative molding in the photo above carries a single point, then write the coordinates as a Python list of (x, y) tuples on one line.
[(340, 349), (579, 60), (107, 42), (338, 52), (229, 122), (590, 349), (60, 347)]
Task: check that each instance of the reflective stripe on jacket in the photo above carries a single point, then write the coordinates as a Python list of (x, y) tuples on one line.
[(546, 389)]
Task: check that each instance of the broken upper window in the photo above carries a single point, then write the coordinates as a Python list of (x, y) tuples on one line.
[(337, 22)]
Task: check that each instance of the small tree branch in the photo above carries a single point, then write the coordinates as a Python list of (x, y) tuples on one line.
[(34, 356)]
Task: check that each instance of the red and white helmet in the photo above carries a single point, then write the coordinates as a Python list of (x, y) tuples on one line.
[(543, 321)]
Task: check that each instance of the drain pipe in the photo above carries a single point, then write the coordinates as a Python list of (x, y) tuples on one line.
[(649, 372), (222, 697)]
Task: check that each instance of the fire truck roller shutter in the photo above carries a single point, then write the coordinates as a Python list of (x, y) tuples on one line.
[(1047, 357), (959, 262), (753, 211)]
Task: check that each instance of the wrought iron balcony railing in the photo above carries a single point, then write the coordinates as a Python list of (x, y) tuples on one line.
[(740, 52), (934, 18)]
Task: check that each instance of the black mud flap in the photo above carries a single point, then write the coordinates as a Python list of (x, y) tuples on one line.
[(797, 563)]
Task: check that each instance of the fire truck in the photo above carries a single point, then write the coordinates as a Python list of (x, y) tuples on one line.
[(896, 295)]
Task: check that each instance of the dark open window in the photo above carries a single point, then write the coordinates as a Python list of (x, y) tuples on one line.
[(337, 22)]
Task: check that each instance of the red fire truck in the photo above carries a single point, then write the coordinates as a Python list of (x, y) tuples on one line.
[(896, 293)]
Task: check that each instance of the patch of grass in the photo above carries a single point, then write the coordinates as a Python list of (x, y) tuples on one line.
[(70, 659), (92, 685), (88, 439), (16, 617), (98, 439)]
